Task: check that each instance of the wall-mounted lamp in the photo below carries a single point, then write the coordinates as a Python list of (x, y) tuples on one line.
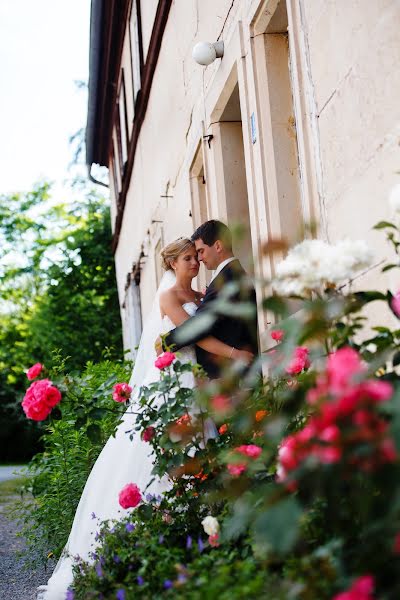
[(205, 53)]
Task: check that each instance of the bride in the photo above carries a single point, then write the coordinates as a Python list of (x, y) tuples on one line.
[(124, 461)]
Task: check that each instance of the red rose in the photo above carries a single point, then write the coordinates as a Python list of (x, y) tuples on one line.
[(165, 360), (148, 434), (221, 403), (236, 469), (299, 361), (277, 335), (130, 496), (250, 450), (122, 392), (40, 398), (34, 371)]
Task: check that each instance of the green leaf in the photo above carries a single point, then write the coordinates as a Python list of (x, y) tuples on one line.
[(193, 328), (278, 526), (384, 224), (94, 433), (389, 267), (371, 296)]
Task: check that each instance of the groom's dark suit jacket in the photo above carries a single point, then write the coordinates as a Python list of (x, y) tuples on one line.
[(236, 331)]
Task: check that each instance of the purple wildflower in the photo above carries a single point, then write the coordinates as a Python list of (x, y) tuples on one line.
[(140, 580), (200, 545), (120, 594), (70, 594), (182, 578), (116, 558), (97, 536), (168, 584), (99, 570), (93, 516), (150, 497), (161, 539), (188, 542), (129, 527)]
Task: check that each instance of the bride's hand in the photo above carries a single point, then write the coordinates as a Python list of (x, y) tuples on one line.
[(242, 356), (158, 346)]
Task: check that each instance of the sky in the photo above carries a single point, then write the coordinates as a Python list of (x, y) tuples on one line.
[(44, 49)]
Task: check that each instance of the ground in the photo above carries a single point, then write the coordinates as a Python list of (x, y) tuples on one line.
[(16, 582)]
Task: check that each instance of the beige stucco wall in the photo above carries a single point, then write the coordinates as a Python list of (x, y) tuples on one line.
[(345, 86)]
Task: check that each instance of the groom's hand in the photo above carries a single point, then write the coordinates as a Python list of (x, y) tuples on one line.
[(158, 346), (243, 356)]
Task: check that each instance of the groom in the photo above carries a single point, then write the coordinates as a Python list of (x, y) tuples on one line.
[(213, 241)]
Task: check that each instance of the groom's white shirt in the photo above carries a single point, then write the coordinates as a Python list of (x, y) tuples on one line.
[(221, 266)]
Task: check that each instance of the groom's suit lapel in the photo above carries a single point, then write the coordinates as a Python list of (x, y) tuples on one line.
[(217, 283)]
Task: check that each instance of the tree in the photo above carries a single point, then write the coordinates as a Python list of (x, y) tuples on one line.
[(58, 291)]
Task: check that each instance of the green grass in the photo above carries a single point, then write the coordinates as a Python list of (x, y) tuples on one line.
[(10, 489)]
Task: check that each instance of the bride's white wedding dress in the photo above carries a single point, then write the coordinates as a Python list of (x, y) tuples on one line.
[(120, 462)]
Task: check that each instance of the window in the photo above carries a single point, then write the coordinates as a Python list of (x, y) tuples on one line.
[(123, 122), (114, 177), (116, 168), (136, 47), (133, 316)]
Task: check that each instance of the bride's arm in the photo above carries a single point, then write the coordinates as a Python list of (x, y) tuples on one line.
[(214, 346), (170, 306)]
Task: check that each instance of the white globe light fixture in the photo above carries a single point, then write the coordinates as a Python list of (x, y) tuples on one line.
[(205, 53)]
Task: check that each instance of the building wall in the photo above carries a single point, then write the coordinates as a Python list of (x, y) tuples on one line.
[(305, 120)]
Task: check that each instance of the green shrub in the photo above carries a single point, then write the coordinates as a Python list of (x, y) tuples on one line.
[(73, 438)]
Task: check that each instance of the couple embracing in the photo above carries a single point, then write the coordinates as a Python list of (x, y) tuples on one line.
[(181, 319)]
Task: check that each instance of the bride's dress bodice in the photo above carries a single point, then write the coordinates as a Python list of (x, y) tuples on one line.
[(189, 307), (186, 354)]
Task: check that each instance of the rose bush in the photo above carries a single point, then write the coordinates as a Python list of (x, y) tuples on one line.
[(298, 497)]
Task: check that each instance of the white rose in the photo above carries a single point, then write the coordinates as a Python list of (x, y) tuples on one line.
[(210, 525), (394, 198)]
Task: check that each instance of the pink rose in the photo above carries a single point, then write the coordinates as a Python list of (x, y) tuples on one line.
[(299, 361), (362, 589), (165, 360), (34, 371), (122, 392), (236, 469), (395, 304), (130, 496), (40, 398), (277, 335), (221, 403), (36, 411), (213, 540), (148, 434), (377, 390), (250, 450), (342, 369)]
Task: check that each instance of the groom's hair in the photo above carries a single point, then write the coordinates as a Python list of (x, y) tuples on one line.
[(211, 231)]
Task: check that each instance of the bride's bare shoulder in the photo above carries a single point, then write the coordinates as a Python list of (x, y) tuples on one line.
[(168, 297)]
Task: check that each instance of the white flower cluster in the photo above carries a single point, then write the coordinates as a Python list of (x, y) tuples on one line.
[(394, 199), (210, 525), (314, 264)]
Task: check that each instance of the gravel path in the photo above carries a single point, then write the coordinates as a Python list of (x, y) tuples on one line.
[(16, 583)]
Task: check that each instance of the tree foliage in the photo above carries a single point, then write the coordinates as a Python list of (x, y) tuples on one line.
[(58, 293)]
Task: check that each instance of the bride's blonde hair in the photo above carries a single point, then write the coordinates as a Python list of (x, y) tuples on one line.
[(171, 251)]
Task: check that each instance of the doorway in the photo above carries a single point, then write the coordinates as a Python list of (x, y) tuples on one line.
[(231, 176)]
